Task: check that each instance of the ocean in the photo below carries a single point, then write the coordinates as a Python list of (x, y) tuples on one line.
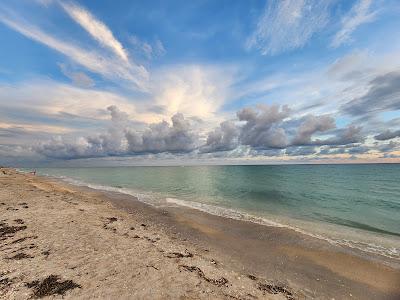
[(350, 205)]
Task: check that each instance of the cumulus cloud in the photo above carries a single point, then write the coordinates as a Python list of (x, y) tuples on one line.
[(110, 142), (387, 135), (261, 128), (359, 14), (257, 131), (383, 95), (121, 139), (163, 137), (348, 135), (312, 124), (286, 25), (222, 138)]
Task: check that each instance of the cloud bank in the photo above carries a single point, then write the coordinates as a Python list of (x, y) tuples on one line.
[(263, 130)]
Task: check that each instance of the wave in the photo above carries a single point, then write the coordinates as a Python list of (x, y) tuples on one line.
[(156, 200)]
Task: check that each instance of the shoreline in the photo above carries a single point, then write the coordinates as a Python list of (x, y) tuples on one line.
[(295, 266), (369, 249)]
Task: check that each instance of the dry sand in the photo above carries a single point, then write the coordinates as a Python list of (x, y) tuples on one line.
[(58, 241)]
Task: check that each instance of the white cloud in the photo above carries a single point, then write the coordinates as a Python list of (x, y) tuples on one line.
[(35, 127), (159, 48), (194, 90), (141, 46), (44, 2), (97, 29), (286, 25), (52, 98), (110, 67), (149, 50), (78, 78), (359, 14)]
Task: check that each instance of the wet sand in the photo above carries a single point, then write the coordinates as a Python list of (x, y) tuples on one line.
[(64, 241)]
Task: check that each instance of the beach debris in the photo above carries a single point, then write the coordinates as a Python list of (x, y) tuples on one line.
[(151, 266), (112, 220), (275, 289), (132, 228), (19, 221), (51, 285), (143, 225), (136, 236), (46, 253), (218, 282), (252, 277), (179, 255)]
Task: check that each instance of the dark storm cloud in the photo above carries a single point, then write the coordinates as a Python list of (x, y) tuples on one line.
[(383, 95), (387, 135)]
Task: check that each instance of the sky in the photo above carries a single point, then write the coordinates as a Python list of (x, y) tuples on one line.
[(208, 82)]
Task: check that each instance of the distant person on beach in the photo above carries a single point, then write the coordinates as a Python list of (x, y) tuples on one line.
[(33, 172)]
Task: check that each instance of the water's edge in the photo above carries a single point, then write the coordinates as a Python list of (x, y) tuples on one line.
[(371, 248)]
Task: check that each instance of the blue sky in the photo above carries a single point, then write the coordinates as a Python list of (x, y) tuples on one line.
[(205, 81)]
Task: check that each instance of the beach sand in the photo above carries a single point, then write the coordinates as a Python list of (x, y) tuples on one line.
[(59, 240)]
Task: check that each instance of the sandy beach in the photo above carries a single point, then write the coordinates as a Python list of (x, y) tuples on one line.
[(62, 241)]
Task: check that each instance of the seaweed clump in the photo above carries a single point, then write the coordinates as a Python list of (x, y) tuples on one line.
[(275, 289), (51, 285), (218, 282)]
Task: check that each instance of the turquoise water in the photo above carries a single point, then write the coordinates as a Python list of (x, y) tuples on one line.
[(358, 205)]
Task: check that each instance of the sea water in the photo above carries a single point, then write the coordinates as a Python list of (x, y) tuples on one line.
[(352, 205)]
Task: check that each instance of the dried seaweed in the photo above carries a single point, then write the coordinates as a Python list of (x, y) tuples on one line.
[(51, 285), (179, 255), (20, 256), (252, 277), (6, 230), (218, 282), (275, 289)]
